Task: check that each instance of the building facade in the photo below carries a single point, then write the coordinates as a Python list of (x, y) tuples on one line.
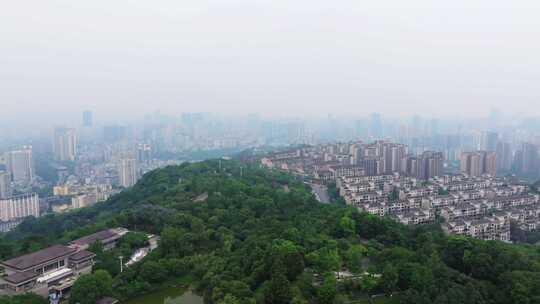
[(20, 165), (478, 163), (65, 144), (127, 172), (5, 185), (13, 210)]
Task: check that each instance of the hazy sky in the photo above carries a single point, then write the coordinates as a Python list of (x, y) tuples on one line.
[(270, 56)]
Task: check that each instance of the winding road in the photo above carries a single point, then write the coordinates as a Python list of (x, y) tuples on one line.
[(321, 193)]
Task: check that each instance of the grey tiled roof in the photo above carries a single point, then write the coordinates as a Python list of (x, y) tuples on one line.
[(39, 257), (81, 255), (20, 277), (92, 238)]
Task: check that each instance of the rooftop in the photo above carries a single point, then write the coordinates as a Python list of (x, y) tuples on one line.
[(82, 255), (20, 277), (38, 257), (98, 236)]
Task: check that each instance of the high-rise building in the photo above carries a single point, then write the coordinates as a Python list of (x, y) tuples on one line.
[(373, 166), (19, 207), (478, 163), (65, 144), (114, 133), (470, 163), (5, 185), (488, 141), (393, 155), (528, 162), (375, 126), (20, 165), (411, 167), (504, 156), (144, 153), (490, 163), (87, 119), (127, 172), (430, 164)]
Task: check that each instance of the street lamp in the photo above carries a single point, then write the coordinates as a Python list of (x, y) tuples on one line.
[(121, 264)]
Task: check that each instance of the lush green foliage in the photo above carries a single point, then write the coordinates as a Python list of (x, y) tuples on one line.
[(522, 236), (251, 241), (23, 299), (333, 194), (91, 287)]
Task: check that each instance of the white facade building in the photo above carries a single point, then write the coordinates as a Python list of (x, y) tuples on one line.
[(127, 172), (20, 165), (16, 208)]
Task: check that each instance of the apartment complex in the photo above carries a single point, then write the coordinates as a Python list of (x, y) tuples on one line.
[(416, 190), (65, 144), (20, 165), (328, 162), (127, 172), (478, 163), (14, 209)]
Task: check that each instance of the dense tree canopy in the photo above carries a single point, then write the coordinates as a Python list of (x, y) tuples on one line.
[(253, 240), (91, 287), (23, 299)]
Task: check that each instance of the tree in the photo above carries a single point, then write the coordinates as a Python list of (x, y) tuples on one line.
[(288, 253), (105, 260), (153, 272), (229, 299), (347, 226), (105, 282), (354, 256), (91, 287), (279, 289), (325, 259), (134, 240), (328, 290), (174, 243), (23, 299), (390, 277)]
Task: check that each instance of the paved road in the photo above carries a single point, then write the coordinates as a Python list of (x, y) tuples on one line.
[(321, 193)]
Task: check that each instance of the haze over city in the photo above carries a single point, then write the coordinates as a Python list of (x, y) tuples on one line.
[(129, 58), (270, 152)]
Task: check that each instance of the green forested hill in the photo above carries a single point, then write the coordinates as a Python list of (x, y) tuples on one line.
[(253, 240)]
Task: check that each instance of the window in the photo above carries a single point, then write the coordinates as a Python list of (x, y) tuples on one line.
[(51, 267), (62, 263)]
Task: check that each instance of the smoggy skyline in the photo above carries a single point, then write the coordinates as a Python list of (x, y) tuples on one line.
[(127, 58)]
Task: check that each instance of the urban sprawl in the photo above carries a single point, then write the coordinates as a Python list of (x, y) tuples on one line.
[(383, 179)]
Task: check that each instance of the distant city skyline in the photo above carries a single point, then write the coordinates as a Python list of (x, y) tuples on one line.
[(35, 117), (130, 113)]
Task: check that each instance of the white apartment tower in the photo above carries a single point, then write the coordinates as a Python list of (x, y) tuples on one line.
[(19, 207), (127, 172), (20, 165), (65, 144)]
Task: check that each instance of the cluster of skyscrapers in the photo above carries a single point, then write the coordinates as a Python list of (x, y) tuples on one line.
[(479, 163), (382, 157)]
